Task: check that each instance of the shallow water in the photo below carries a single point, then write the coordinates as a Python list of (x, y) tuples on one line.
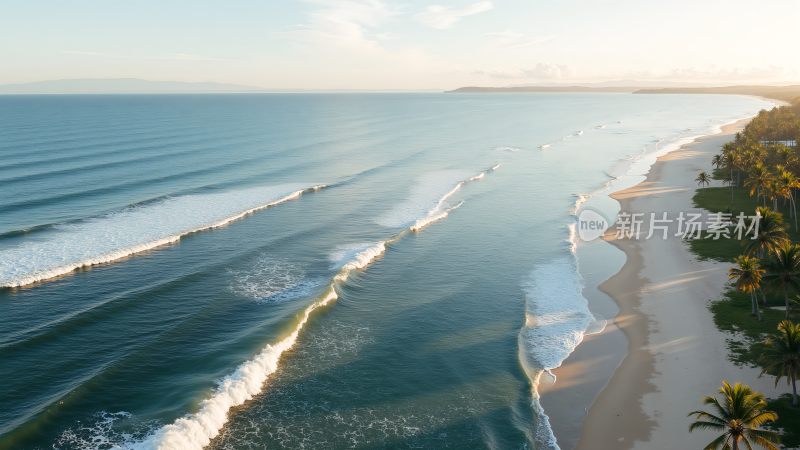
[(442, 285)]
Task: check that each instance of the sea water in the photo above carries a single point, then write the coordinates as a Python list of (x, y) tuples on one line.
[(305, 271)]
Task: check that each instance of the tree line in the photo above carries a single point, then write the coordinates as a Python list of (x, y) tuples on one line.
[(764, 159)]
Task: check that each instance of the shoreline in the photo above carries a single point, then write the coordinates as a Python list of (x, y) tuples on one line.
[(618, 389)]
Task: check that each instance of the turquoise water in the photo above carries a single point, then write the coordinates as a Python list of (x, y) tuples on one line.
[(303, 271)]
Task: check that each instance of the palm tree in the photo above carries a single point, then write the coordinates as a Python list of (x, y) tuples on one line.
[(771, 233), (703, 179), (717, 161), (758, 182), (787, 182), (748, 274), (736, 162), (781, 356), (729, 158), (783, 270), (739, 416)]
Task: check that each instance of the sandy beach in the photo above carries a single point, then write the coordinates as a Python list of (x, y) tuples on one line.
[(662, 347)]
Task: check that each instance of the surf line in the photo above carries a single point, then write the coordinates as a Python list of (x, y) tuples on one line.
[(195, 431), (111, 256)]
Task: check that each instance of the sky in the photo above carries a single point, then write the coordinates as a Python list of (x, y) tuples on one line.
[(403, 44)]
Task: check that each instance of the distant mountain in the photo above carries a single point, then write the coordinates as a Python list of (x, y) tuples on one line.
[(120, 86)]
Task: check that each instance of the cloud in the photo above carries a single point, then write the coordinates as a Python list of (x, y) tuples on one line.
[(345, 23), (442, 17), (541, 71), (513, 40), (348, 43)]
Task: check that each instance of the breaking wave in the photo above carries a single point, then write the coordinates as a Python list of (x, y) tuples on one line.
[(557, 314), (507, 149), (195, 431), (426, 203), (114, 236), (557, 317)]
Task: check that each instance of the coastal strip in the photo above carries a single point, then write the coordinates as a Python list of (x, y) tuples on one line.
[(664, 335)]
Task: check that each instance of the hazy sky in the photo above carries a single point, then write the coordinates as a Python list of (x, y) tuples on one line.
[(403, 44)]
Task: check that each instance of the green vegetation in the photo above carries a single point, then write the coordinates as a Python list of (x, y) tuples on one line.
[(719, 199), (733, 313), (747, 275), (722, 199), (783, 272), (740, 416), (725, 250), (788, 420), (763, 177), (781, 356)]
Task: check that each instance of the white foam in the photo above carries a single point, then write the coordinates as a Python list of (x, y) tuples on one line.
[(442, 208), (557, 314), (580, 199), (573, 239), (362, 256), (271, 281), (557, 318), (434, 217), (96, 433), (344, 253), (134, 230), (544, 437), (428, 192), (507, 149), (544, 146), (428, 202)]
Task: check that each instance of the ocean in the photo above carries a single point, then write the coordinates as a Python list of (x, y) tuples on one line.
[(305, 270)]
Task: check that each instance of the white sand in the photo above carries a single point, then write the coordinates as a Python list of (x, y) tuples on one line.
[(675, 354)]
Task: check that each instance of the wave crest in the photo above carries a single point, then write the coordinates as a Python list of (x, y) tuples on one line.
[(134, 230)]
